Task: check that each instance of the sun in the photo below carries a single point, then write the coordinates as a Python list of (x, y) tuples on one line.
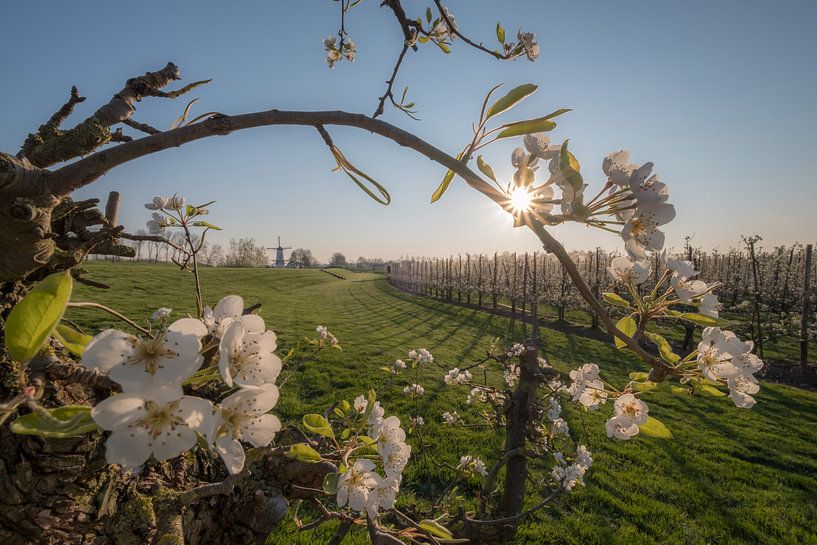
[(521, 199)]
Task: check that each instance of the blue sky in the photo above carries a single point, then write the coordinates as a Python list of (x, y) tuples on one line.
[(719, 95)]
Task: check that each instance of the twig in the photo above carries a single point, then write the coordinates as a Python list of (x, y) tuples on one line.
[(84, 304), (390, 83)]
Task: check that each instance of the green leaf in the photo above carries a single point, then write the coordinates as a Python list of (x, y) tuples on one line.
[(664, 347), (655, 428), (639, 376), (206, 224), (429, 15), (304, 453), (511, 99), (435, 529), (330, 483), (485, 168), (644, 386), (444, 47), (65, 421), (500, 33), (529, 126), (449, 176), (710, 390), (371, 397), (316, 423), (627, 326), (569, 167), (73, 341), (615, 299), (33, 319), (699, 319)]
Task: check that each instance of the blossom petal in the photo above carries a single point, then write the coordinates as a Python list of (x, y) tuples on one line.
[(232, 453), (129, 447), (118, 411), (260, 431), (231, 306), (173, 441), (108, 349)]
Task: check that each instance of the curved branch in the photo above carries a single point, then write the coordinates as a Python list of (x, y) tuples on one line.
[(87, 170), (453, 30)]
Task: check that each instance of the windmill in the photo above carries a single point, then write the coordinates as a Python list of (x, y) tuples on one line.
[(279, 255)]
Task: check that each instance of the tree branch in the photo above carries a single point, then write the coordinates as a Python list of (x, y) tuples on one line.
[(87, 170), (390, 83)]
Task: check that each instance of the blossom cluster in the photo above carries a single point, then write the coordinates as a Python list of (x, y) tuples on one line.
[(640, 200), (360, 486), (722, 356), (455, 376), (325, 337), (335, 53), (586, 386), (472, 465), (153, 417), (571, 474)]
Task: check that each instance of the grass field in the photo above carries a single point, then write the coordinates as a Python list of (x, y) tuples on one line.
[(729, 476)]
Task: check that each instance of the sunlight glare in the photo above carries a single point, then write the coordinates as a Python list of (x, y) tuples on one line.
[(521, 199)]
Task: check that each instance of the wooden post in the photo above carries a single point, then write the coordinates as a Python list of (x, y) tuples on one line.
[(468, 278), (112, 208), (480, 289), (513, 288), (805, 316), (459, 279), (756, 284), (524, 289), (493, 287), (534, 303)]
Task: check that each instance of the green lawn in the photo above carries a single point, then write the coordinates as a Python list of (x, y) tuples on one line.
[(729, 476)]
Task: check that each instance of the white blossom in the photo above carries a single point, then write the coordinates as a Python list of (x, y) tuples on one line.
[(624, 269), (161, 314), (687, 289), (158, 203), (538, 145), (455, 376), (560, 427), (629, 412), (356, 484), (570, 475), (554, 409), (529, 45), (477, 395), (641, 233), (451, 418), (135, 362), (684, 269), (226, 311), (618, 169), (247, 354), (516, 350), (472, 464), (709, 305), (157, 223), (243, 417), (158, 420), (741, 389), (414, 389), (361, 403), (511, 375), (420, 356)]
